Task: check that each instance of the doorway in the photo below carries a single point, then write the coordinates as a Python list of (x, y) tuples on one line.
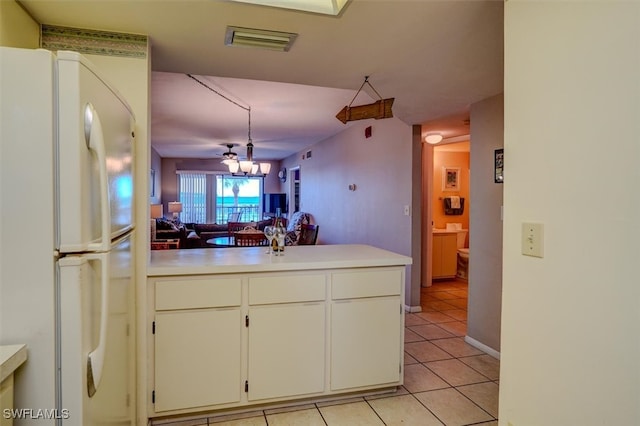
[(294, 189), (448, 169)]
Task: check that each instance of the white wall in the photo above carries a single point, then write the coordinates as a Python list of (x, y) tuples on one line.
[(379, 166), (570, 321), (485, 225)]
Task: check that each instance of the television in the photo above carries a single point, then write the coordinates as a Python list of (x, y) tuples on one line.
[(272, 202)]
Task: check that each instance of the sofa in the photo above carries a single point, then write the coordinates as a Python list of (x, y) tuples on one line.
[(195, 235), (165, 229)]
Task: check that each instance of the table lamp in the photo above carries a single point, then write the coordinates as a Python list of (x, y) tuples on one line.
[(156, 211), (175, 207)]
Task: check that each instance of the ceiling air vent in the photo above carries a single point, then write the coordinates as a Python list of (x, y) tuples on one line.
[(265, 39)]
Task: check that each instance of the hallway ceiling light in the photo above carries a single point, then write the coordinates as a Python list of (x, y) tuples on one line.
[(433, 138), (327, 7)]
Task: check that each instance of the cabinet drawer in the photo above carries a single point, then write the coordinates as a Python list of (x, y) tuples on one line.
[(286, 289), (198, 293), (369, 283)]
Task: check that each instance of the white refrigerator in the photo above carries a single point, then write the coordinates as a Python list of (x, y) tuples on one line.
[(66, 239)]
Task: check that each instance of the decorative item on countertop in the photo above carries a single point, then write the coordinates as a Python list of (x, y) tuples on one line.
[(453, 205), (278, 242), (270, 234), (379, 109)]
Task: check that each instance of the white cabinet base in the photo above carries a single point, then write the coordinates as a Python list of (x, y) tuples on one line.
[(197, 372), (286, 350), (240, 340), (365, 334)]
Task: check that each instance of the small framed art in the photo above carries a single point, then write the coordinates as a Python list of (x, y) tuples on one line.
[(499, 166), (450, 178)]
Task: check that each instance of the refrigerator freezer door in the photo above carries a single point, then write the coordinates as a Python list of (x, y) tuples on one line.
[(83, 330), (85, 100)]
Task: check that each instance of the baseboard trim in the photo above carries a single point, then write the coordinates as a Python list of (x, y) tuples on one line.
[(412, 309), (484, 348)]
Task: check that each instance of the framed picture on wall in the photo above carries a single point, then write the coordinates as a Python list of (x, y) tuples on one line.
[(450, 178), (152, 183), (499, 165)]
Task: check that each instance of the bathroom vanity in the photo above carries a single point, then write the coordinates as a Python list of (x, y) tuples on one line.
[(444, 254), (238, 327)]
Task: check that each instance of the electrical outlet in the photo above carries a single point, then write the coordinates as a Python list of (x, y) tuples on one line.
[(533, 239)]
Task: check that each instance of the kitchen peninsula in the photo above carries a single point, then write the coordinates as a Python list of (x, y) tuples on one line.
[(236, 328)]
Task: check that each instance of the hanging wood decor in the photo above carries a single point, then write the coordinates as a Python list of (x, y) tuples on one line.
[(379, 109)]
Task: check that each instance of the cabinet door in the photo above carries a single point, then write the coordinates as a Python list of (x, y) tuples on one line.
[(449, 255), (286, 350), (436, 256), (445, 255), (365, 342), (197, 358)]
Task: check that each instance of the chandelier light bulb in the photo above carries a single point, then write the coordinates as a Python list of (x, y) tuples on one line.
[(265, 168)]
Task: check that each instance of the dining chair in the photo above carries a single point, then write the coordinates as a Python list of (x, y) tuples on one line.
[(233, 227), (308, 234), (234, 216), (250, 239)]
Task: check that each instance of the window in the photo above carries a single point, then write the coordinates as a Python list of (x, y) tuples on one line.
[(207, 197), (241, 196), (192, 193)]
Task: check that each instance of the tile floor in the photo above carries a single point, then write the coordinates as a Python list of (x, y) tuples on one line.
[(446, 381)]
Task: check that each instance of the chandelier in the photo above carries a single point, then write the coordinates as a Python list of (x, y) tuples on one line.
[(236, 166)]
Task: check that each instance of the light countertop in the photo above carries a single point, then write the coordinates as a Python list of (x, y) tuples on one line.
[(448, 231), (255, 259), (11, 357)]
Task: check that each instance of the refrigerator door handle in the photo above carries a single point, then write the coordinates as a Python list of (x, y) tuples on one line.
[(95, 359), (95, 141)]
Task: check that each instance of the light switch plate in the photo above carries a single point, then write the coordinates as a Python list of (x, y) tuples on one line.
[(533, 239)]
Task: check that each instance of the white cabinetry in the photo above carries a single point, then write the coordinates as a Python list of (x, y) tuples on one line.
[(286, 340), (366, 327), (11, 357), (197, 343), (445, 255), (242, 339)]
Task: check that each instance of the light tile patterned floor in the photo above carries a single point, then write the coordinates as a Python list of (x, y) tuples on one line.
[(447, 382)]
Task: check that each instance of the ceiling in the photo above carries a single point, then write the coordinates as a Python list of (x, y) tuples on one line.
[(435, 58)]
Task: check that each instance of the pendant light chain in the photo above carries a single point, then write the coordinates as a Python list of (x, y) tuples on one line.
[(249, 110), (264, 167), (221, 95), (250, 143)]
